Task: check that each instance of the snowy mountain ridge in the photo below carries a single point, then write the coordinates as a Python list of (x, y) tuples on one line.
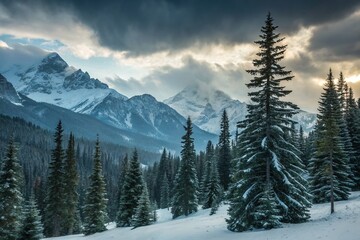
[(205, 107), (51, 80), (47, 115)]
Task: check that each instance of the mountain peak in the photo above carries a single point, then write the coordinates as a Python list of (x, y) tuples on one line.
[(205, 106), (52, 63), (200, 95), (147, 96)]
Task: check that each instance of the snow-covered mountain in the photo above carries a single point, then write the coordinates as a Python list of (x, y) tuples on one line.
[(51, 80), (205, 107), (144, 114), (47, 115)]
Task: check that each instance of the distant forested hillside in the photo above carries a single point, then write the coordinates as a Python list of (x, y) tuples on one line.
[(34, 152)]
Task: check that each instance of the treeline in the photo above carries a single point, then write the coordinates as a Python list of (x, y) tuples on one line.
[(34, 152), (65, 200), (35, 145)]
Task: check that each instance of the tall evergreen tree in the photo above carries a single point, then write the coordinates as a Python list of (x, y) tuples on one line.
[(200, 165), (131, 191), (95, 200), (329, 170), (143, 214), (185, 199), (213, 192), (71, 179), (53, 219), (209, 157), (32, 228), (163, 166), (124, 165), (224, 151), (343, 92), (165, 193), (267, 181), (11, 180), (353, 124)]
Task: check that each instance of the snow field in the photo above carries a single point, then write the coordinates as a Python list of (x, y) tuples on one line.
[(344, 224)]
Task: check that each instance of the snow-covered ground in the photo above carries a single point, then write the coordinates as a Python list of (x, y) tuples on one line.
[(344, 224)]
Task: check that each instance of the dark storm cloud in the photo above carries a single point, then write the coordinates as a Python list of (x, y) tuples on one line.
[(338, 41), (303, 64), (146, 26)]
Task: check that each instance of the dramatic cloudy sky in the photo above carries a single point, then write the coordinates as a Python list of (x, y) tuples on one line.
[(161, 46)]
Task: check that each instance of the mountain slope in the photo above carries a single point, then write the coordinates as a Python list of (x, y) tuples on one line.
[(145, 115), (205, 107), (46, 116), (8, 92)]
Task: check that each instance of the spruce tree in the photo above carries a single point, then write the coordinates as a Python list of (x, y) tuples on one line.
[(267, 184), (32, 228), (342, 90), (53, 219), (162, 170), (165, 195), (143, 212), (353, 124), (209, 158), (11, 179), (213, 191), (343, 94), (95, 215), (329, 170), (131, 191), (71, 179), (185, 199), (124, 165), (224, 152), (200, 165)]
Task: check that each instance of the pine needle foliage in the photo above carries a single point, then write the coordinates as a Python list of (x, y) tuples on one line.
[(267, 184)]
